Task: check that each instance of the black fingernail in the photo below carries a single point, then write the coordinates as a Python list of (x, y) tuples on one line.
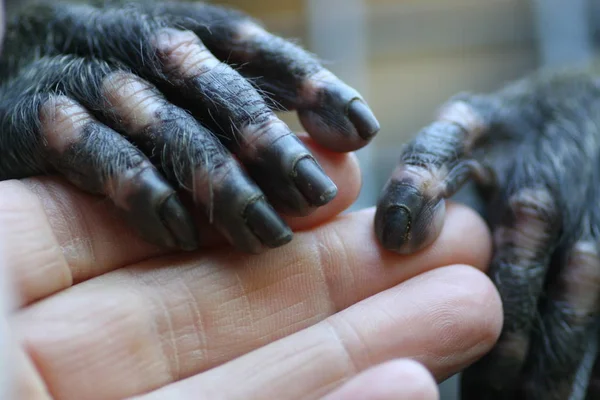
[(266, 224), (313, 183), (363, 119), (397, 224), (180, 223)]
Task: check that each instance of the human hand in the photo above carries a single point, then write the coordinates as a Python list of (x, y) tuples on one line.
[(103, 315)]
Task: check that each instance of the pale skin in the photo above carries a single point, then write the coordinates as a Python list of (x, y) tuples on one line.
[(330, 316), (99, 314)]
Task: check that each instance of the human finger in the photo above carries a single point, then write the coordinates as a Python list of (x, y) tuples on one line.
[(396, 379), (445, 319), (162, 320), (63, 235)]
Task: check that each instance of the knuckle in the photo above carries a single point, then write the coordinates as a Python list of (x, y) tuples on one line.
[(580, 280), (534, 222), (61, 110), (534, 205), (62, 121), (261, 136), (134, 101), (183, 53), (247, 31), (466, 117), (170, 40), (438, 144)]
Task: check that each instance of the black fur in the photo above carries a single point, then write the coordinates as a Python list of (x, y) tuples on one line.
[(540, 140), (533, 148), (185, 56)]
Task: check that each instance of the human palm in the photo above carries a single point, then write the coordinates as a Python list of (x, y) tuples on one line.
[(103, 315)]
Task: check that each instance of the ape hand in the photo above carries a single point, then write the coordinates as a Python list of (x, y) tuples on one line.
[(533, 150), (135, 100)]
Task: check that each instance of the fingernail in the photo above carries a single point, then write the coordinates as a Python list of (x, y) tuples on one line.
[(363, 119), (266, 224), (397, 224), (313, 183), (180, 223)]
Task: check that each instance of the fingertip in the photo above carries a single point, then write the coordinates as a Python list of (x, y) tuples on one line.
[(363, 119), (344, 171), (396, 379), (474, 307), (336, 115), (351, 238), (464, 239)]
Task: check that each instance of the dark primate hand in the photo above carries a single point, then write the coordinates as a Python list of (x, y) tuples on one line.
[(533, 150), (137, 100)]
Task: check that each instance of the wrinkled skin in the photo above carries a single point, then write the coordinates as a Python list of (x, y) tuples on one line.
[(533, 151), (140, 101)]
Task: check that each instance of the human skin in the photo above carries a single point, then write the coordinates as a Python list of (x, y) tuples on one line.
[(98, 313), (102, 314)]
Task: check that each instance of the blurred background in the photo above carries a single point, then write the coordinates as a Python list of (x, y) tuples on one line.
[(409, 56)]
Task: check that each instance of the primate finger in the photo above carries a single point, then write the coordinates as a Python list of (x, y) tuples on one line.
[(568, 319), (491, 128), (57, 129), (536, 214), (179, 64), (525, 240), (189, 154), (194, 157), (410, 211), (335, 114), (593, 389), (569, 314)]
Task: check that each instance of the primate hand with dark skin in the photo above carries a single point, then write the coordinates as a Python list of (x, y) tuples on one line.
[(137, 101), (141, 101), (532, 149)]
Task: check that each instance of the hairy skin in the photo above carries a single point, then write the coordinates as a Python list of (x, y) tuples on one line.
[(533, 150), (138, 101), (141, 101)]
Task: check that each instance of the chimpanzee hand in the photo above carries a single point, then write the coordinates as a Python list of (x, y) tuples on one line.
[(136, 100), (533, 150)]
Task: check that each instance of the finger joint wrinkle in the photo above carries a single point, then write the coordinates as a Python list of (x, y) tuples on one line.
[(135, 101), (183, 53), (533, 226), (580, 280), (62, 121)]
